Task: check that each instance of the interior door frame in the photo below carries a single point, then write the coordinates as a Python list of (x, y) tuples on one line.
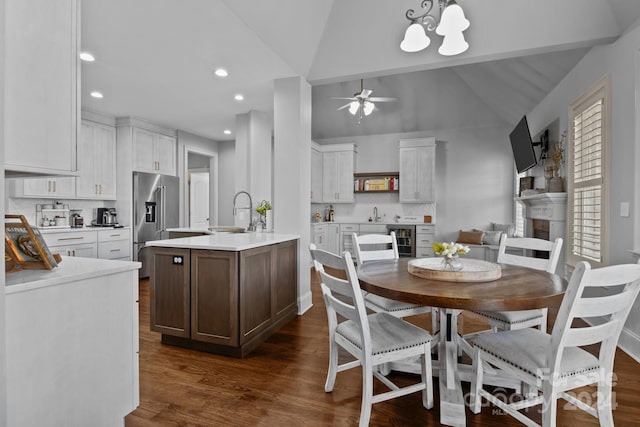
[(213, 184)]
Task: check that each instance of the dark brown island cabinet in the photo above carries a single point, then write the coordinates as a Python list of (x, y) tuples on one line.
[(221, 301)]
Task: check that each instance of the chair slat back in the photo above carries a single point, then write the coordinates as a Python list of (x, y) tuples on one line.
[(362, 247), (534, 244), (342, 296), (620, 284)]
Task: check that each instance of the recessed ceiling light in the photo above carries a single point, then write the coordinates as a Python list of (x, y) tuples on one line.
[(86, 56), (227, 132), (239, 97), (97, 94), (221, 72)]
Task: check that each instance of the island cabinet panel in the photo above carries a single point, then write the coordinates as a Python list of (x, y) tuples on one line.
[(256, 284), (214, 297), (170, 290), (284, 294)]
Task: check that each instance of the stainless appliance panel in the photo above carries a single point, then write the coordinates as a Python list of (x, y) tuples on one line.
[(156, 207)]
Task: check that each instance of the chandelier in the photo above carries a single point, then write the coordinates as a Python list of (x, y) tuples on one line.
[(451, 25)]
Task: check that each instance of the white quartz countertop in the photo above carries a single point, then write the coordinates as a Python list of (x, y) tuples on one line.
[(70, 269), (225, 241), (363, 222), (190, 230), (67, 229)]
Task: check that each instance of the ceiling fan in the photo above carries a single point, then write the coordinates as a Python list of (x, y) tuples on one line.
[(362, 102)]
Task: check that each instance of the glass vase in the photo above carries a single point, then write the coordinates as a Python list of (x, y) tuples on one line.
[(451, 263)]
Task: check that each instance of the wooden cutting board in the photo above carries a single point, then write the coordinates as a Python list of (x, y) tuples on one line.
[(473, 270)]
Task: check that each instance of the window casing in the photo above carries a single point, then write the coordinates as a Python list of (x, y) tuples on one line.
[(588, 177)]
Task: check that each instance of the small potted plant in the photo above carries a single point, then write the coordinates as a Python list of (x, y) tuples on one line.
[(266, 215)]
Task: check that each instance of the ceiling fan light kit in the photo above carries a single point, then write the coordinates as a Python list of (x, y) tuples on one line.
[(451, 25), (362, 103)]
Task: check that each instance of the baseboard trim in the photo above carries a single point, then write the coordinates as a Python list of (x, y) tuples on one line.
[(304, 303), (629, 341)]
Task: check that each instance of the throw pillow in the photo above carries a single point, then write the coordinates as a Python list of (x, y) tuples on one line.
[(510, 229), (470, 237), (490, 237)]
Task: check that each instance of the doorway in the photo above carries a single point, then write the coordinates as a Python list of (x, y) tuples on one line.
[(200, 207)]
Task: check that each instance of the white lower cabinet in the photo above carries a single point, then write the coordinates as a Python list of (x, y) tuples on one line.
[(425, 238), (346, 239), (90, 243)]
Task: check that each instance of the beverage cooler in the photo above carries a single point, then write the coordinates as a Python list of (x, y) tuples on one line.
[(406, 238)]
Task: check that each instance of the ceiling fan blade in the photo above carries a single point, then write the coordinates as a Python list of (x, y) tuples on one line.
[(365, 93), (337, 97), (382, 99), (344, 106)]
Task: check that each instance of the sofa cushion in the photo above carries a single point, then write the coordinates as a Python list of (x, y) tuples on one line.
[(510, 229), (470, 237), (491, 237)]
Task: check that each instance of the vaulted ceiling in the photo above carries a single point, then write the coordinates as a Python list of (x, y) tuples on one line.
[(155, 59)]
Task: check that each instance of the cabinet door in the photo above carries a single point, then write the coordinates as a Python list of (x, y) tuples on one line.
[(417, 174), (41, 85), (105, 162), (257, 282), (345, 176), (330, 177), (143, 151), (165, 154), (333, 238), (49, 187), (85, 183), (82, 250), (316, 176), (214, 297), (170, 313)]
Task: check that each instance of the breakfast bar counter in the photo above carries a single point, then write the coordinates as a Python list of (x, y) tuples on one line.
[(223, 293)]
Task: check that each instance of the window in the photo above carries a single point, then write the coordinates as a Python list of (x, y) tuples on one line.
[(589, 142)]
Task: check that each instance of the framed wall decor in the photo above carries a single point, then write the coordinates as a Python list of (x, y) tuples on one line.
[(526, 183)]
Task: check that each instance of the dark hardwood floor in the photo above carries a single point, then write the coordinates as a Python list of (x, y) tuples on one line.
[(281, 383)]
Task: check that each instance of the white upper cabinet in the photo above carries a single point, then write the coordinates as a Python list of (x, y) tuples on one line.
[(96, 161), (316, 176), (417, 170), (41, 85), (153, 152), (337, 173), (49, 188)]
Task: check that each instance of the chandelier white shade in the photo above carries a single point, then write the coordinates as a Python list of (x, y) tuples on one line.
[(451, 25)]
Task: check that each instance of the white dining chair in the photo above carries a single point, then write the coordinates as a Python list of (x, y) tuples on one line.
[(557, 363), (509, 320), (377, 247), (373, 339)]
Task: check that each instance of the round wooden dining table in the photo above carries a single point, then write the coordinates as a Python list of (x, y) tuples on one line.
[(518, 288)]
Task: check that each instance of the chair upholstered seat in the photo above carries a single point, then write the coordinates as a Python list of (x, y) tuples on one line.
[(527, 350), (378, 304), (388, 333), (512, 317)]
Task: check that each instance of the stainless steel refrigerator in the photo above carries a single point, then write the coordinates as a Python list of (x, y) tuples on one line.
[(156, 207)]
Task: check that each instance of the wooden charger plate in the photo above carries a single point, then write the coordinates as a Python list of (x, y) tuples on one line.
[(474, 270)]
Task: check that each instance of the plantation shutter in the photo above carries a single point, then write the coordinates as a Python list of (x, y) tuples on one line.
[(589, 142)]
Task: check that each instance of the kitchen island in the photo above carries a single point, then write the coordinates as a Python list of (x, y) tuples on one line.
[(223, 293), (72, 343)]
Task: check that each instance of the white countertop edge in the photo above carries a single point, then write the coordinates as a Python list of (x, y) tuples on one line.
[(190, 230), (344, 221), (67, 229), (224, 241), (71, 269)]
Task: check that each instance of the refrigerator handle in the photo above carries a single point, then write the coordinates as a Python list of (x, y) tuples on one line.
[(164, 208), (160, 201)]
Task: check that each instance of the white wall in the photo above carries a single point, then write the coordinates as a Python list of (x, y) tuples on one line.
[(226, 184), (619, 59), (3, 359), (474, 179)]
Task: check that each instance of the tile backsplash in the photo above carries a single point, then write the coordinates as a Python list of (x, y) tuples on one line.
[(27, 207)]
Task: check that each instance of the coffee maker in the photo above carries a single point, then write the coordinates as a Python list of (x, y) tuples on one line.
[(106, 217)]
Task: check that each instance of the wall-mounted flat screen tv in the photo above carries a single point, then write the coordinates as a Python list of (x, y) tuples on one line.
[(522, 146)]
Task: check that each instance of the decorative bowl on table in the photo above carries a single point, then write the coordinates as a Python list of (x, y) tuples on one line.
[(473, 270)]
